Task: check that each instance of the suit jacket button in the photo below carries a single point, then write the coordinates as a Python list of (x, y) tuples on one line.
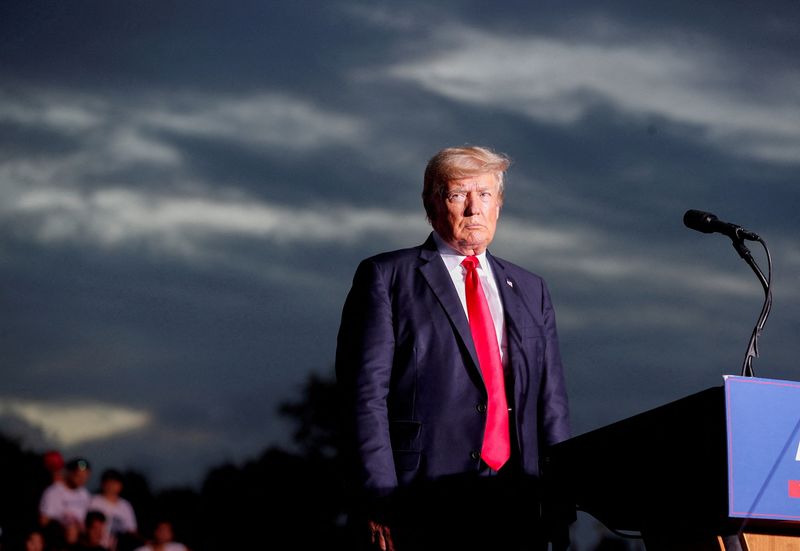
[(481, 408), (475, 455)]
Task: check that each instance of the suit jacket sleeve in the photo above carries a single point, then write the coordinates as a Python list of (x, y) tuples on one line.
[(553, 405), (364, 357)]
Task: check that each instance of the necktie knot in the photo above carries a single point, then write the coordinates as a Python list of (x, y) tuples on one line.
[(470, 263)]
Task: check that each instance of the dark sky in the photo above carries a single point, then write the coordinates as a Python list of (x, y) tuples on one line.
[(186, 188)]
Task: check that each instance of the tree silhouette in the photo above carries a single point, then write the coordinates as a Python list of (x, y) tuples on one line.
[(283, 499), (316, 417), (22, 480)]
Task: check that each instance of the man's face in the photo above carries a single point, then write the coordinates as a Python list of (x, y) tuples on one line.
[(95, 532), (467, 215), (111, 487), (163, 533), (77, 477)]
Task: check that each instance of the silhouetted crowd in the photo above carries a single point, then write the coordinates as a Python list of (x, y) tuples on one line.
[(70, 518)]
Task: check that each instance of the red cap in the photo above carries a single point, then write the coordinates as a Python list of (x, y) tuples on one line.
[(53, 460)]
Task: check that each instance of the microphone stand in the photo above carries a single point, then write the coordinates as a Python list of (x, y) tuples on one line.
[(752, 347)]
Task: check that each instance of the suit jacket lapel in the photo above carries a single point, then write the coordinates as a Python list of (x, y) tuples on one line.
[(434, 272), (512, 304)]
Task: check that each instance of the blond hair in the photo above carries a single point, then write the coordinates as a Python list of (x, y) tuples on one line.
[(454, 163)]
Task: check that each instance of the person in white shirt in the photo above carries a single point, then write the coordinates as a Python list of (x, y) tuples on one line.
[(121, 519), (67, 502), (162, 539)]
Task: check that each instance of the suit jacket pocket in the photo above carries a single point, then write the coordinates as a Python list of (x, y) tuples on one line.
[(406, 460), (532, 331), (405, 435)]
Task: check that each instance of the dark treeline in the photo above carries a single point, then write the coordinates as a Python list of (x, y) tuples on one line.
[(281, 500)]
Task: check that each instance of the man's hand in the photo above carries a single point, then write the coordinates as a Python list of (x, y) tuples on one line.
[(381, 536)]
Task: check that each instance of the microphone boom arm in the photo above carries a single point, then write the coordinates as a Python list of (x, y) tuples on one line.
[(752, 347)]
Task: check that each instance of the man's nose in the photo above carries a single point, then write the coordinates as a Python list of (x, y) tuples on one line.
[(471, 204)]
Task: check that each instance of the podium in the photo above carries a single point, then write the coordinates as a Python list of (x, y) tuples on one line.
[(719, 469)]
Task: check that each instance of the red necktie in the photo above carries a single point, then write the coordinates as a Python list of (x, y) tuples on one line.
[(496, 442)]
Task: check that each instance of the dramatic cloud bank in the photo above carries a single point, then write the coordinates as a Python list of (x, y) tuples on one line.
[(559, 80)]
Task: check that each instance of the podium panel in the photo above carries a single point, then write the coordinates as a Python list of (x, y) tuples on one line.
[(763, 448), (704, 464)]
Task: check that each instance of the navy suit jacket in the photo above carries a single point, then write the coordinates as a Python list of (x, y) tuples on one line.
[(406, 363)]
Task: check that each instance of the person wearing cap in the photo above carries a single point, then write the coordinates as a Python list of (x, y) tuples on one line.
[(54, 463), (67, 501)]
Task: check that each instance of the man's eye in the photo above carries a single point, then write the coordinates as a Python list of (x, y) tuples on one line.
[(456, 196)]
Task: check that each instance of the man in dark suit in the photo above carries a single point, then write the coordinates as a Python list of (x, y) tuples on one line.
[(451, 379)]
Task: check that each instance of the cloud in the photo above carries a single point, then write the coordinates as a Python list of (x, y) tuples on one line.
[(70, 113), (185, 224), (558, 81), (263, 119), (582, 251), (109, 133), (384, 17), (80, 193), (76, 423), (200, 228)]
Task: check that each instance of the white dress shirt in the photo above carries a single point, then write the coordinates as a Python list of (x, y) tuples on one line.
[(452, 261)]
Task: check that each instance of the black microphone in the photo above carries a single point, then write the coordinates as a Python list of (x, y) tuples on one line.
[(708, 223)]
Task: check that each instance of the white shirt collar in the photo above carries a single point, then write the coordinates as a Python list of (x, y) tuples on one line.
[(452, 261), (453, 258)]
